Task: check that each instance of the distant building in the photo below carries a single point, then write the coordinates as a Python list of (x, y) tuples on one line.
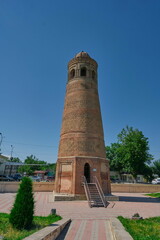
[(3, 158), (41, 174), (116, 177), (8, 168)]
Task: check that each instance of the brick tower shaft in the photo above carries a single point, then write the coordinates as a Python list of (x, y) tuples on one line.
[(81, 147)]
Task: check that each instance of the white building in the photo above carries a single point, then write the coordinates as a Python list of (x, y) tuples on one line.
[(8, 168), (125, 177)]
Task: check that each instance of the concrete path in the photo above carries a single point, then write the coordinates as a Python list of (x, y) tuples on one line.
[(91, 222)]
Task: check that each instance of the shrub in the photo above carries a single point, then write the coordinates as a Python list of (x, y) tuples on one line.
[(21, 215), (136, 215)]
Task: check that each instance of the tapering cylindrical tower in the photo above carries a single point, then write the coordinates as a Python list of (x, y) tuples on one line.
[(81, 147)]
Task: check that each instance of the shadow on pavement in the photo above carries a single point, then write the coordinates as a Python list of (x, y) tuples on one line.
[(64, 232), (139, 199)]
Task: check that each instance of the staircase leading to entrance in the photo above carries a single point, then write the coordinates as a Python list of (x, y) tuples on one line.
[(96, 200), (94, 193)]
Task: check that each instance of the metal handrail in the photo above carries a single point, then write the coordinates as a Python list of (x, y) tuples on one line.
[(87, 192), (100, 191)]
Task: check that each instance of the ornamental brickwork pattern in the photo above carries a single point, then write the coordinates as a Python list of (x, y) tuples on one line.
[(81, 147)]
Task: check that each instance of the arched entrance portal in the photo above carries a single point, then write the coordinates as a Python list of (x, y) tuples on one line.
[(87, 172)]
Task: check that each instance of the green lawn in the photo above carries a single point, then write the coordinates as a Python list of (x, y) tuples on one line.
[(145, 229), (157, 195), (9, 233)]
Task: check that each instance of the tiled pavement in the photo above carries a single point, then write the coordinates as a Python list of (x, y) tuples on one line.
[(90, 222), (89, 229)]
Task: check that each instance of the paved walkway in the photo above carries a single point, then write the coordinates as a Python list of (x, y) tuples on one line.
[(88, 229), (89, 223)]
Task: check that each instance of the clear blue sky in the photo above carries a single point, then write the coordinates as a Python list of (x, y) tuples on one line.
[(38, 38)]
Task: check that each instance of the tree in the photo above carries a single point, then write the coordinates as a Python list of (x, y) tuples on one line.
[(112, 155), (21, 215), (156, 167), (30, 169), (41, 165), (148, 173), (16, 159), (26, 169), (131, 152)]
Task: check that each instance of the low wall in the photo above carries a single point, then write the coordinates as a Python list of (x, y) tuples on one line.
[(134, 188), (50, 232), (12, 187), (43, 186)]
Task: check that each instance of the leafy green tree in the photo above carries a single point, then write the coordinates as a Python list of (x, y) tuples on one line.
[(41, 166), (30, 169), (156, 167), (26, 169), (148, 173), (21, 215), (131, 152), (33, 160), (16, 159), (112, 155), (50, 167)]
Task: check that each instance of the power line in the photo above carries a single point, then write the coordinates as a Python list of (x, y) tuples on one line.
[(36, 145), (6, 148)]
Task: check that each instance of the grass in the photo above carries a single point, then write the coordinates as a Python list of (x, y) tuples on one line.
[(157, 195), (146, 229), (9, 233)]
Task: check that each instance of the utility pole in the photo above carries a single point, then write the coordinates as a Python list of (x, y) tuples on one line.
[(11, 153), (11, 166), (1, 139)]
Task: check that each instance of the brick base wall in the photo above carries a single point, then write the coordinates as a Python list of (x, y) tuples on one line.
[(12, 187), (135, 188)]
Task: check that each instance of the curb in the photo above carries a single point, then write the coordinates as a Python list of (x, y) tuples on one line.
[(119, 231), (50, 232)]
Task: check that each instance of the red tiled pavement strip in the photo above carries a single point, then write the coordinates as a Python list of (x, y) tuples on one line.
[(89, 229), (76, 225)]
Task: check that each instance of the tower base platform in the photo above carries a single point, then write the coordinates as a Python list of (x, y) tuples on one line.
[(70, 197)]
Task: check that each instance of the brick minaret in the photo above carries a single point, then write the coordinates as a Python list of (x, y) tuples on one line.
[(81, 147)]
